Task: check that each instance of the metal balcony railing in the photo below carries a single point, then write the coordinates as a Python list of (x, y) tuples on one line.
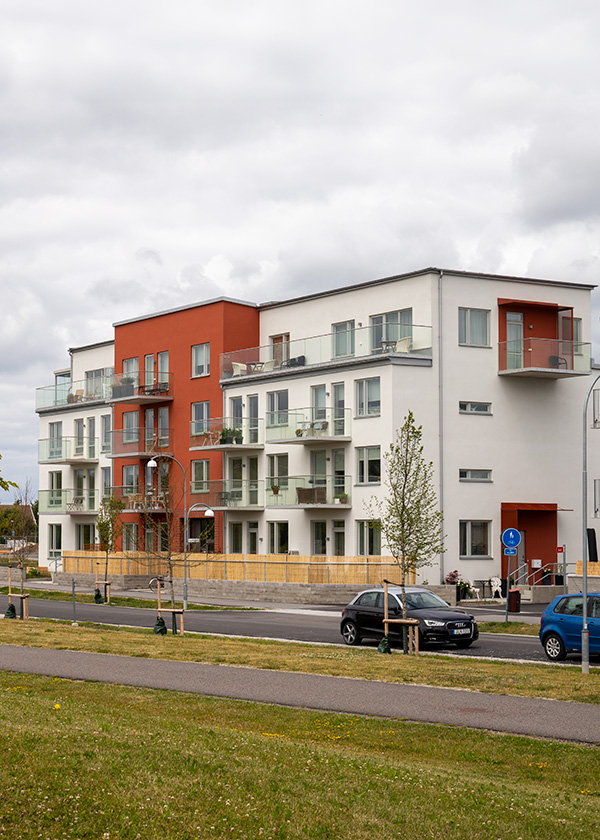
[(74, 393), (308, 490), (314, 350)]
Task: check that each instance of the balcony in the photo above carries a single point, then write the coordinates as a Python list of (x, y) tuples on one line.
[(227, 433), (143, 388), (547, 358), (141, 443), (309, 491), (144, 500), (69, 501), (229, 493), (397, 341), (74, 393), (68, 450), (306, 426)]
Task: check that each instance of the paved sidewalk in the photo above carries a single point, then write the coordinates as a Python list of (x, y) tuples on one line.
[(578, 722)]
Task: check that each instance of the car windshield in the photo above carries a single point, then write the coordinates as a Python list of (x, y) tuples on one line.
[(424, 601)]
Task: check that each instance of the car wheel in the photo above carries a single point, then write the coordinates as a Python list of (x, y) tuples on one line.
[(554, 647), (464, 643), (350, 633)]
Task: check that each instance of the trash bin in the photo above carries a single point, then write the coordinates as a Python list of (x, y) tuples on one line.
[(514, 600)]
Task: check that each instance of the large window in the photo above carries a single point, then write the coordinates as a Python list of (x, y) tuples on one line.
[(368, 397), (200, 476), (131, 477), (343, 339), (474, 539), (369, 464), (278, 537), (130, 426), (388, 328), (106, 432), (130, 536), (163, 425), (200, 417), (278, 470), (201, 360), (235, 537), (319, 537), (474, 327), (368, 538), (277, 408)]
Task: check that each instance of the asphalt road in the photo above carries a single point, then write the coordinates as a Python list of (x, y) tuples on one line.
[(541, 718), (302, 624)]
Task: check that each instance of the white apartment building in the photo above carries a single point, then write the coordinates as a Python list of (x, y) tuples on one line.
[(494, 368), (75, 440)]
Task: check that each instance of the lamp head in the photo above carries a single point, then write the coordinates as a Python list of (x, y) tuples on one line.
[(152, 464)]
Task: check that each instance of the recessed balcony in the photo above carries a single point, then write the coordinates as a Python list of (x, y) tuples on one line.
[(227, 433), (306, 426), (309, 491), (396, 340), (144, 500), (77, 501), (225, 494), (68, 450), (141, 443), (547, 358), (143, 388)]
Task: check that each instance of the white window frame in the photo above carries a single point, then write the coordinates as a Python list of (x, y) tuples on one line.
[(364, 457), (368, 397), (475, 475), (476, 407), (342, 339), (201, 476), (465, 537), (200, 417), (368, 539), (277, 408), (201, 360), (466, 329)]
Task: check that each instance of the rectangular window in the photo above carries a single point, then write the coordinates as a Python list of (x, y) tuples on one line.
[(252, 538), (200, 417), (200, 476), (339, 415), (278, 470), (106, 481), (474, 539), (278, 537), (369, 539), (79, 436), (130, 479), (280, 348), (577, 348), (277, 408), (131, 368), (93, 384), (319, 537), (163, 366), (474, 327), (91, 437), (368, 397), (55, 497), (163, 426), (54, 541), (471, 407), (318, 402), (369, 464), (475, 475), (235, 537), (106, 431), (339, 537), (130, 426), (388, 328), (253, 418), (130, 536), (236, 409), (56, 441), (149, 370), (201, 360), (343, 339)]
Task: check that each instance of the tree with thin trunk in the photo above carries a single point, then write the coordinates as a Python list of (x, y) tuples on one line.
[(408, 515), (109, 526)]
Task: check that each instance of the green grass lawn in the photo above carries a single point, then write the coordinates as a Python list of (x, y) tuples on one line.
[(86, 760), (115, 601)]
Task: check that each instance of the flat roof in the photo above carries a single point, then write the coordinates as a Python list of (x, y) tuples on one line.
[(183, 308), (91, 346), (431, 270)]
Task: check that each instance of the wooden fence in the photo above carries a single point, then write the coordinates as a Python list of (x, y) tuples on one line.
[(275, 568)]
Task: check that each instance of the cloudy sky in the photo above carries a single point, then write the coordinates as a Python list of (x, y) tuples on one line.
[(153, 154)]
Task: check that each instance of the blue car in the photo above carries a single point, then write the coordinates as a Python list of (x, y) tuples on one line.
[(562, 623)]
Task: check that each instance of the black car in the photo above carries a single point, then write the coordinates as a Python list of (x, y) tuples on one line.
[(438, 622)]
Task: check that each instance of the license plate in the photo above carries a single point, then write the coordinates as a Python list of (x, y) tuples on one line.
[(462, 632)]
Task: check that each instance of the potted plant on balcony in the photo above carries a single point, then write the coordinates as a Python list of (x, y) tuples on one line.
[(226, 435), (275, 489), (341, 498), (125, 388)]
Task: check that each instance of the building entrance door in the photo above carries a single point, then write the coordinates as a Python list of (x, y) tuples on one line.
[(514, 340)]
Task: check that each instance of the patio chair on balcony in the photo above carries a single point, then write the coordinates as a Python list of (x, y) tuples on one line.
[(239, 368), (404, 345), (558, 362)]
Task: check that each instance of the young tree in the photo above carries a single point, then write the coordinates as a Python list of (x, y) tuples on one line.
[(109, 525), (5, 484), (408, 516)]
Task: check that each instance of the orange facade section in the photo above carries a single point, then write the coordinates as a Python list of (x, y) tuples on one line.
[(538, 523), (223, 326)]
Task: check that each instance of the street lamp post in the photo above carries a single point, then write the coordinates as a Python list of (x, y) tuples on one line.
[(153, 464), (585, 636)]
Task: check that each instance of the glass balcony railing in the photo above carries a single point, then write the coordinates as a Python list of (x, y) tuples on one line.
[(73, 393), (331, 347), (141, 386), (69, 501), (141, 442), (308, 490), (227, 431), (145, 500), (547, 356), (64, 450), (304, 425), (229, 493)]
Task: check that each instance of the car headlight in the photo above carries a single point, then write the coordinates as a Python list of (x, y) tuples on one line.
[(429, 622)]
